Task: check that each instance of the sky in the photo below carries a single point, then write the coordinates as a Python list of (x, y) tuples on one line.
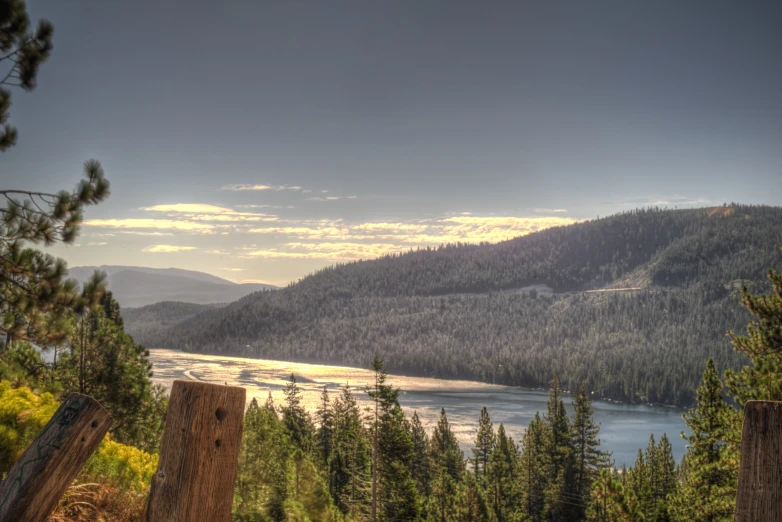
[(262, 140)]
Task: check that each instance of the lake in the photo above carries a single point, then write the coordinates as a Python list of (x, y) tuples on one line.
[(624, 428)]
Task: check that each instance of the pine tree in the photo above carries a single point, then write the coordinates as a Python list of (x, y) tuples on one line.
[(560, 450), (485, 440), (442, 505), (394, 492), (763, 344), (104, 362), (23, 52), (502, 480), (611, 502), (34, 293), (654, 479), (534, 469), (325, 430), (350, 460), (472, 505), (708, 490), (295, 418), (445, 451), (588, 458), (420, 466)]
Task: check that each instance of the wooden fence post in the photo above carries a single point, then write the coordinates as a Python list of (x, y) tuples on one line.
[(199, 454), (759, 496), (44, 472)]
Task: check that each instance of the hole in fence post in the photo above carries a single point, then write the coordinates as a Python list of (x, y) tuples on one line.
[(94, 424), (218, 443), (221, 414)]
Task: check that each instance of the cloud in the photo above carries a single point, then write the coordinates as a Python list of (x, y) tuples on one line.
[(664, 201), (167, 249), (331, 198), (330, 251), (318, 232), (390, 227), (263, 206), (142, 233), (216, 252), (97, 243), (205, 212), (231, 269), (461, 228), (145, 223), (249, 187), (551, 210)]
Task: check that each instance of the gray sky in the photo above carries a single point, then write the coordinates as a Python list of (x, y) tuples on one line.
[(377, 126)]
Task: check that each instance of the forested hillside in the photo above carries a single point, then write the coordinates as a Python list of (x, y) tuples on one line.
[(450, 311), (146, 322)]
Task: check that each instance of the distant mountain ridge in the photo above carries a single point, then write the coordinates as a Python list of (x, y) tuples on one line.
[(140, 286), (452, 311)]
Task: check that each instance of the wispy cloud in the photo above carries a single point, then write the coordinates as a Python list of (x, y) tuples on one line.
[(249, 187), (97, 243), (550, 210), (264, 206), (206, 212), (147, 223), (462, 228), (227, 269), (664, 201), (168, 249), (337, 240), (216, 252), (331, 198), (330, 251), (144, 233)]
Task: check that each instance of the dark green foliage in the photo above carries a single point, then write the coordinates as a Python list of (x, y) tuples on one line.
[(276, 479), (103, 361), (349, 466), (611, 501), (503, 478), (34, 294), (708, 489), (421, 466), (652, 479), (23, 51), (763, 344), (472, 505), (295, 418), (588, 459), (324, 433), (438, 312), (535, 468), (485, 439), (143, 323), (394, 491), (561, 452), (446, 454)]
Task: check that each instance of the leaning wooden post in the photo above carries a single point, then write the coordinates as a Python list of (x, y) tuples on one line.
[(44, 472), (199, 454), (759, 496)]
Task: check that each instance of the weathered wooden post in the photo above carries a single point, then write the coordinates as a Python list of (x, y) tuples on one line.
[(44, 472), (199, 454), (759, 496)]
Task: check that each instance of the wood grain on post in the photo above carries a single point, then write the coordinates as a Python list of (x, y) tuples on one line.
[(44, 472), (199, 454), (759, 496)]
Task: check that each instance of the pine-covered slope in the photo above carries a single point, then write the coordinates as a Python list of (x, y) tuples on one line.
[(451, 311)]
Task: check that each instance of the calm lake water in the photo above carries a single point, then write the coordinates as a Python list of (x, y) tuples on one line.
[(624, 428)]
